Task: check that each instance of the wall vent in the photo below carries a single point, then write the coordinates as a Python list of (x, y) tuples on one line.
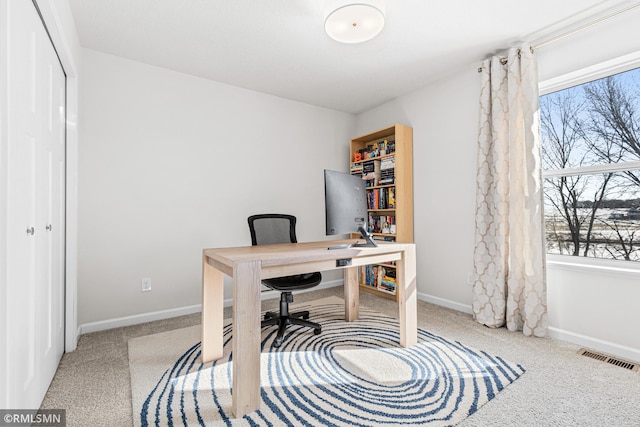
[(609, 359)]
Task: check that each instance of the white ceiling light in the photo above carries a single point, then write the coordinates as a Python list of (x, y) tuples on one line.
[(353, 22)]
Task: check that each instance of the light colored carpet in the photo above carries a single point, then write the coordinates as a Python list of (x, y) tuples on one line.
[(560, 388), (354, 373)]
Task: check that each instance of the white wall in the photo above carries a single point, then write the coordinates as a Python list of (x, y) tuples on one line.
[(595, 308), (171, 164), (592, 308)]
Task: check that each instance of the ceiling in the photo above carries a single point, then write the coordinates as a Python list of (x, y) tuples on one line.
[(279, 47)]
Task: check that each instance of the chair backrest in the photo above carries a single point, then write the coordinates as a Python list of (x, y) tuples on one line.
[(269, 229)]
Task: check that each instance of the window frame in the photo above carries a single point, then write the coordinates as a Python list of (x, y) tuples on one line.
[(565, 81)]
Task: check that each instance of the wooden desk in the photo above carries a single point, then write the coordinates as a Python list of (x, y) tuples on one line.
[(249, 265)]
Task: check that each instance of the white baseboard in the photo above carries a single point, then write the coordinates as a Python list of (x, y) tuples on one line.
[(135, 319), (175, 312), (631, 354), (445, 303), (610, 348)]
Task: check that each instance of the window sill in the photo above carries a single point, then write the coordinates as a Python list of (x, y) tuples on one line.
[(605, 266)]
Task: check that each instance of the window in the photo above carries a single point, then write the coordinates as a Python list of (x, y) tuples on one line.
[(590, 137)]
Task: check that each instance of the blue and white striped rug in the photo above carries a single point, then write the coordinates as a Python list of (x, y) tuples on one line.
[(353, 374)]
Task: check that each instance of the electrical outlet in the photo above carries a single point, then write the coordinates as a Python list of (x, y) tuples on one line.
[(145, 284), (469, 279)]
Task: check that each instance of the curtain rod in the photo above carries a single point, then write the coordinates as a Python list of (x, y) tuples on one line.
[(576, 30), (585, 26)]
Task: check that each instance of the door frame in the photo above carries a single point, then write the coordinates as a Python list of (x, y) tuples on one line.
[(55, 15)]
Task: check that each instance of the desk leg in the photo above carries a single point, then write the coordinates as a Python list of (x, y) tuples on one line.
[(212, 312), (246, 338), (351, 294), (407, 301)]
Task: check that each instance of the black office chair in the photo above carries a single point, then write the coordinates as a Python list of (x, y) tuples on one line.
[(268, 229)]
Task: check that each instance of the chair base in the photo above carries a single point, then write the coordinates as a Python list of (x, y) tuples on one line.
[(284, 319)]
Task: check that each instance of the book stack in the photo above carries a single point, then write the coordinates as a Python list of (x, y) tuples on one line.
[(383, 224), (387, 170), (387, 282), (371, 172), (356, 169), (390, 147)]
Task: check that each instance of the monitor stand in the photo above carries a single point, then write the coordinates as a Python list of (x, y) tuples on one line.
[(368, 240)]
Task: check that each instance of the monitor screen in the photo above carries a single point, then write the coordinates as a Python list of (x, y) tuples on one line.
[(345, 199)]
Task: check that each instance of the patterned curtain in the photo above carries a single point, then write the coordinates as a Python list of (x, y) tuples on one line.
[(509, 259)]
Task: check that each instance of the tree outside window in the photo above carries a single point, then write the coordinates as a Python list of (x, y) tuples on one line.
[(591, 161)]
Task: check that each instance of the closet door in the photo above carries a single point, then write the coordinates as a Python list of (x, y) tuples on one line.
[(35, 154)]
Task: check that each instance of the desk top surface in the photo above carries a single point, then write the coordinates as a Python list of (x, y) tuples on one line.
[(294, 253)]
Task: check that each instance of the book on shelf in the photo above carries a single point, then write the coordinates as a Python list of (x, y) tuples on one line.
[(384, 238), (382, 224), (387, 170), (371, 172), (387, 179), (388, 163), (387, 284), (368, 275), (380, 277), (375, 149), (381, 198), (391, 147)]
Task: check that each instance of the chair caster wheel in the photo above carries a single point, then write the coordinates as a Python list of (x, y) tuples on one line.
[(277, 342), (317, 331)]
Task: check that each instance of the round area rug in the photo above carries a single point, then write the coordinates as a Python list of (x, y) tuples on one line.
[(352, 374)]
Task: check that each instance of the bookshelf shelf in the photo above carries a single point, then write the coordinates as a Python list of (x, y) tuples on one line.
[(384, 159), (381, 186)]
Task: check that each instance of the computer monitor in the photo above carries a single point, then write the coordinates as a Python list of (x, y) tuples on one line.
[(345, 200)]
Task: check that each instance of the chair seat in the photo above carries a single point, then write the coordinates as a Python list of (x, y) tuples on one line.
[(295, 282)]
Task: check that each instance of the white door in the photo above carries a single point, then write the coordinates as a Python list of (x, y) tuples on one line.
[(35, 152)]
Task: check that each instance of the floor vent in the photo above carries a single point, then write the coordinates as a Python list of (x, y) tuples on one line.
[(609, 359)]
